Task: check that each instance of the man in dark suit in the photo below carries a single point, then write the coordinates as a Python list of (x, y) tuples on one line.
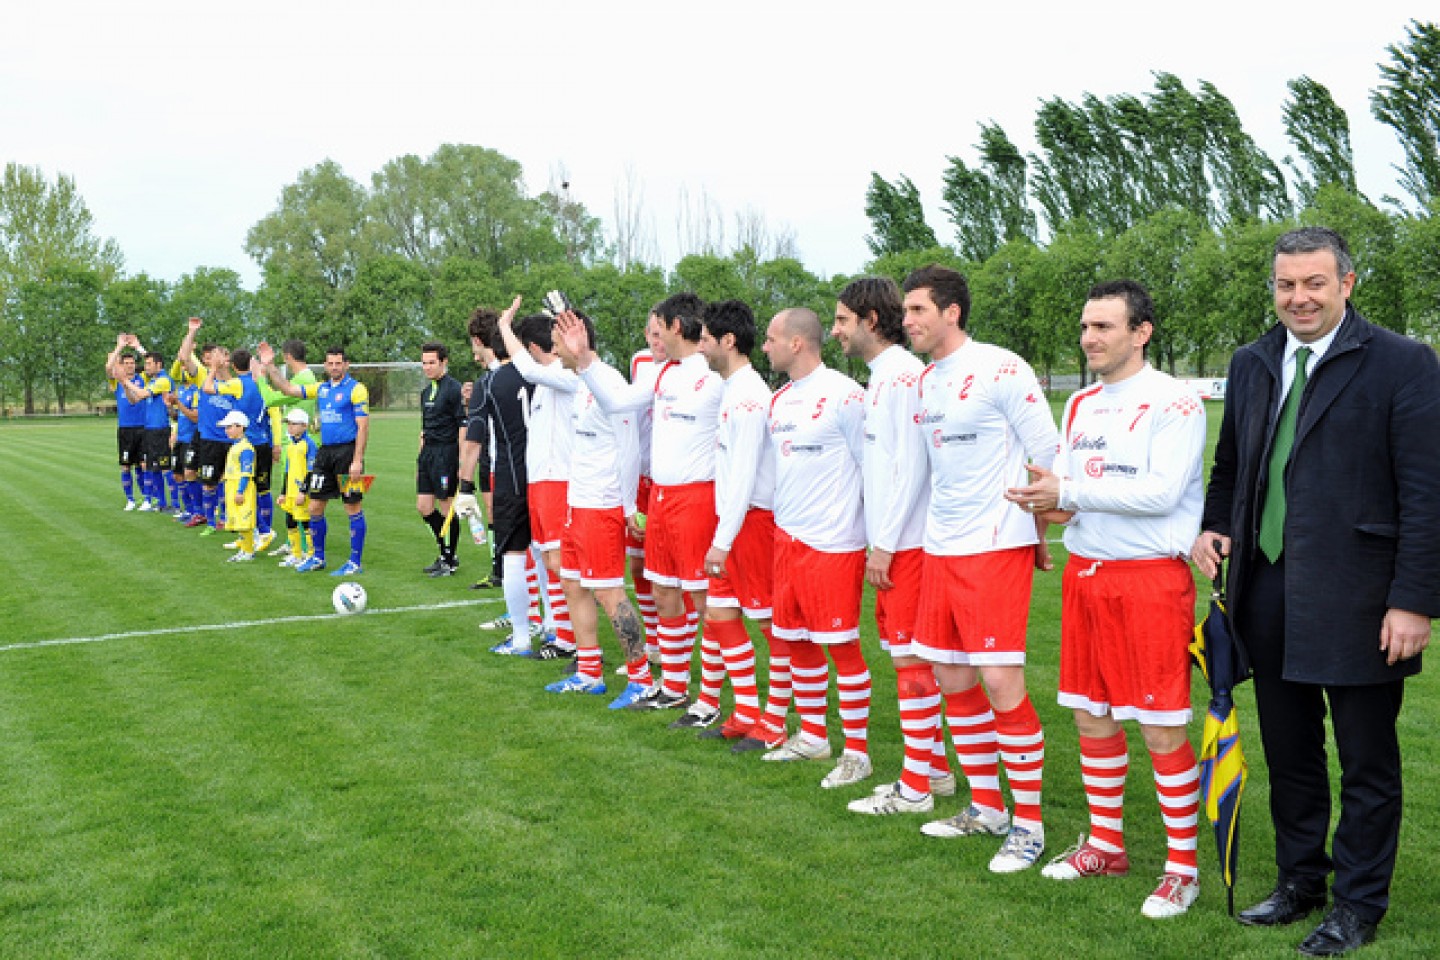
[(1326, 496)]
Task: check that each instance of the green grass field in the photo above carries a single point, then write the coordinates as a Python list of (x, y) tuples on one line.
[(380, 786)]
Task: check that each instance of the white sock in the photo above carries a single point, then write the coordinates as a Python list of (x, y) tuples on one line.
[(517, 599)]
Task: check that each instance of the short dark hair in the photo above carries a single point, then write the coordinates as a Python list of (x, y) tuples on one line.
[(880, 296), (685, 307), (155, 355), (1313, 240), (338, 351), (947, 287), (294, 348), (733, 317), (482, 324), (1138, 305), (534, 330), (240, 359), (436, 347)]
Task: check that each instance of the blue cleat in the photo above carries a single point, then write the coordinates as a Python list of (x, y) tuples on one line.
[(351, 569), (512, 649), (575, 683), (631, 693), (310, 564)]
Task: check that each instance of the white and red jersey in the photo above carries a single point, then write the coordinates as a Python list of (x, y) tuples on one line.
[(982, 417), (605, 456), (817, 438), (643, 371), (744, 466), (897, 471), (1131, 465), (685, 402), (547, 449)]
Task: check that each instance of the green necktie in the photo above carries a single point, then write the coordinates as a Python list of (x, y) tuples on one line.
[(1272, 515)]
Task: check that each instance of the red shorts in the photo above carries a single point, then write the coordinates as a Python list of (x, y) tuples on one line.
[(817, 595), (1125, 631), (633, 547), (592, 548), (896, 608), (547, 512), (678, 531), (749, 568), (973, 609)]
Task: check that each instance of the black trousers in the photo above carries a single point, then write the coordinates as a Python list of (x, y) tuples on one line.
[(1292, 729)]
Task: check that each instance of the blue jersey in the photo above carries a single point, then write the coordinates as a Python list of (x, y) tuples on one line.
[(129, 414), (157, 415), (246, 394), (212, 408), (185, 397), (341, 405)]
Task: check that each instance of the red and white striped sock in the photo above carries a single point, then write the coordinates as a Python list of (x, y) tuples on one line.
[(972, 730), (675, 654), (1104, 762), (559, 612), (852, 687), (712, 669), (1022, 750), (777, 697), (638, 671), (939, 761), (587, 662), (739, 656), (532, 583), (645, 600), (1177, 783), (810, 674), (919, 698)]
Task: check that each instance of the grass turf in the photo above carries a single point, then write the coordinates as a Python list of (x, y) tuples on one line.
[(380, 786)]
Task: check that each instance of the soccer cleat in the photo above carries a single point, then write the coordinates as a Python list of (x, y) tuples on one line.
[(971, 822), (130, 505), (444, 569), (264, 540), (553, 651), (436, 565), (195, 521), (698, 717), (1172, 898), (290, 561), (240, 556), (731, 729), (501, 622), (851, 769), (491, 582), (631, 693), (232, 545), (512, 649), (179, 513), (645, 699), (537, 629), (798, 748), (350, 569), (281, 551), (1020, 851), (310, 564), (577, 683), (208, 531), (1084, 860), (943, 785), (145, 507), (887, 801), (665, 700), (760, 737)]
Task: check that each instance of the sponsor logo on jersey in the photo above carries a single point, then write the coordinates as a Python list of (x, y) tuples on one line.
[(940, 438)]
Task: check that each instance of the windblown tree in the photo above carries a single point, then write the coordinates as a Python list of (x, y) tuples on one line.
[(1408, 101), (897, 217), (1320, 132), (989, 205)]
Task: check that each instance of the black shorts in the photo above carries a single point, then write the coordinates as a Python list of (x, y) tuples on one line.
[(475, 430), (264, 466), (436, 469), (332, 461), (180, 456), (156, 452), (510, 519), (131, 441), (210, 460)]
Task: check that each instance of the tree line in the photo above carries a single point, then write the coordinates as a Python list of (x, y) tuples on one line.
[(1165, 187)]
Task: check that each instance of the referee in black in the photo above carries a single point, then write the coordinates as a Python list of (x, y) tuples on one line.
[(437, 468)]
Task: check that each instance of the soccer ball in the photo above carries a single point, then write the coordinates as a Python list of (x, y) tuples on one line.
[(349, 598)]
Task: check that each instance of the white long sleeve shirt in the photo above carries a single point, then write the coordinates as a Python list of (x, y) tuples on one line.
[(982, 417), (744, 465), (643, 370), (547, 454), (685, 404), (817, 438), (897, 471), (1131, 465), (605, 455)]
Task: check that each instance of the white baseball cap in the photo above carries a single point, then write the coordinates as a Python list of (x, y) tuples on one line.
[(296, 415), (235, 419)]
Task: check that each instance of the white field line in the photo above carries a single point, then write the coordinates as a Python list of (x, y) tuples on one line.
[(206, 627)]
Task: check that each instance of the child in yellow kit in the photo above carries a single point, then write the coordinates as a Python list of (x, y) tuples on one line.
[(299, 459), (238, 486)]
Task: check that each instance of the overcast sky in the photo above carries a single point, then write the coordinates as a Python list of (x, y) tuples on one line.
[(182, 122)]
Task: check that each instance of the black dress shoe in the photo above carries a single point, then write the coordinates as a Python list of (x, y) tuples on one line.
[(1287, 903), (1341, 931)]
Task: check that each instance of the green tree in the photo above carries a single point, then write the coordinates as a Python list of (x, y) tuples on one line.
[(60, 343), (1418, 256), (1320, 132), (1242, 302), (1408, 101), (139, 305), (216, 295), (1060, 277), (319, 232), (1380, 282), (897, 217), (384, 311), (990, 204), (460, 286), (1002, 303), (1153, 252)]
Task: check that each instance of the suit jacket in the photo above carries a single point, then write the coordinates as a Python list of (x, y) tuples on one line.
[(1362, 523)]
